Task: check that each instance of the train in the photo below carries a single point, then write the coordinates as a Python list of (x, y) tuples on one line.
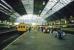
[(22, 27)]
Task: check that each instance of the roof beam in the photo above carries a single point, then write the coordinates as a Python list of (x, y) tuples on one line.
[(49, 5), (57, 7), (9, 8), (28, 5)]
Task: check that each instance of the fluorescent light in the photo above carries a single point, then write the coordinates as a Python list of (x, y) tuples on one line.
[(33, 24), (16, 23)]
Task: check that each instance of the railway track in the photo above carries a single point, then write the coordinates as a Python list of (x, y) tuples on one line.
[(8, 37)]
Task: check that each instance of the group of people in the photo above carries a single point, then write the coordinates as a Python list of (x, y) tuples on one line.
[(59, 33)]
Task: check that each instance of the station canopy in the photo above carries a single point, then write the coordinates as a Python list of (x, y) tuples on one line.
[(40, 8)]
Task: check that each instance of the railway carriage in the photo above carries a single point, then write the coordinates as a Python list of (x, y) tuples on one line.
[(22, 27)]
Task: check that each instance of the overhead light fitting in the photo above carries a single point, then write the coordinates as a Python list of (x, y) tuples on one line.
[(43, 2)]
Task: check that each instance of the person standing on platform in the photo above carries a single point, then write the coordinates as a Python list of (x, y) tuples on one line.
[(29, 29), (60, 34)]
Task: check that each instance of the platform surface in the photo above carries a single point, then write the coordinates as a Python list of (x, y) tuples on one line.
[(36, 40)]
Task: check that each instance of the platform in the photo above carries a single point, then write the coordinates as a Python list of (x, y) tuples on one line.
[(35, 40)]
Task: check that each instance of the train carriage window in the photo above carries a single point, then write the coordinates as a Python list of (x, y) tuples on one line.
[(23, 26), (18, 26)]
